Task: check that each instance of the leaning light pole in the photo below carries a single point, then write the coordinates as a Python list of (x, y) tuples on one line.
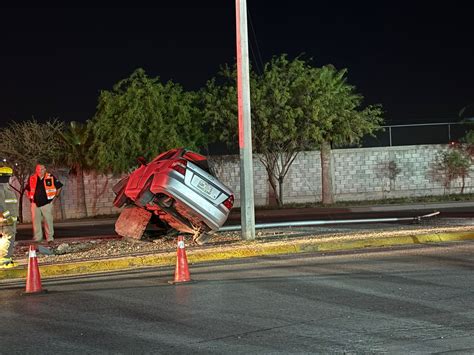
[(245, 129)]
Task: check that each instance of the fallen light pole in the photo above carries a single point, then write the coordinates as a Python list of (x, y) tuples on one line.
[(320, 223)]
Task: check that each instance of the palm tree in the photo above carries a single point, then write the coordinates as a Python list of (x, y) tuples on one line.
[(76, 139)]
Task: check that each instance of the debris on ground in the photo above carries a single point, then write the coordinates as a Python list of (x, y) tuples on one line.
[(99, 248)]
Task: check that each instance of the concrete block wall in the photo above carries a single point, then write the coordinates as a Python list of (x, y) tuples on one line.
[(303, 180), (358, 174), (364, 174), (227, 169)]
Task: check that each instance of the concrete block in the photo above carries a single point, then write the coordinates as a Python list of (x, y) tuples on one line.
[(132, 222)]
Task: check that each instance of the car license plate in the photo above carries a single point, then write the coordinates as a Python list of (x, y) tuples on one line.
[(204, 187)]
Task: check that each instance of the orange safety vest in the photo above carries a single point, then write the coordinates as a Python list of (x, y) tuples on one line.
[(49, 186)]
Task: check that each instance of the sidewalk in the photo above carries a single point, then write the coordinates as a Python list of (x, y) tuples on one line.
[(268, 242)]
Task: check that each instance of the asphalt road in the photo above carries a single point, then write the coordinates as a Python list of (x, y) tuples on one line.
[(400, 300), (92, 227)]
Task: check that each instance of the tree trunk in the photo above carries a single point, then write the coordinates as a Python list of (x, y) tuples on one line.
[(272, 196), (20, 206), (98, 193), (273, 186), (280, 191), (81, 193), (326, 174)]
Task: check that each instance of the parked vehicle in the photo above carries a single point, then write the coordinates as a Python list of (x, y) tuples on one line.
[(178, 190)]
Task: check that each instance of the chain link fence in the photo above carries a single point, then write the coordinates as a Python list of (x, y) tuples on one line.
[(416, 134)]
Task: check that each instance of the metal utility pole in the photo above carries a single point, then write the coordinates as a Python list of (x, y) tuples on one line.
[(245, 129)]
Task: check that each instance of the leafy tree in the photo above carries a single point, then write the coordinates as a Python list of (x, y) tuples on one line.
[(280, 125), (468, 143), (453, 164), (25, 144), (336, 108), (143, 117), (76, 140), (469, 137), (295, 107), (467, 116), (218, 104), (277, 122)]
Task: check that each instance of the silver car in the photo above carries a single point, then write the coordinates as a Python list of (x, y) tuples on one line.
[(178, 188)]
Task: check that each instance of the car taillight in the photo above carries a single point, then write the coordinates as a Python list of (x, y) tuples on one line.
[(229, 202), (180, 166)]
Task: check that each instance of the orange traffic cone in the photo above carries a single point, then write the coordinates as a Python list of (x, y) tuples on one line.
[(181, 273), (33, 278)]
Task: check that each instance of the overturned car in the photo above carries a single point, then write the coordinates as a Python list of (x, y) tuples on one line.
[(176, 190)]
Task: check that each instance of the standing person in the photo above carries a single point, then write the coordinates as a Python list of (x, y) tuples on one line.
[(43, 188), (8, 218)]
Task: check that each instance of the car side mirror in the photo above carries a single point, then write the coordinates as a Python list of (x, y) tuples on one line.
[(142, 160)]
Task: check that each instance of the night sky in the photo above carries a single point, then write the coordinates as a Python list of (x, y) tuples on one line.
[(415, 59)]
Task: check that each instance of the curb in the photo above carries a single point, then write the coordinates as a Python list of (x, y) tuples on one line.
[(250, 249)]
